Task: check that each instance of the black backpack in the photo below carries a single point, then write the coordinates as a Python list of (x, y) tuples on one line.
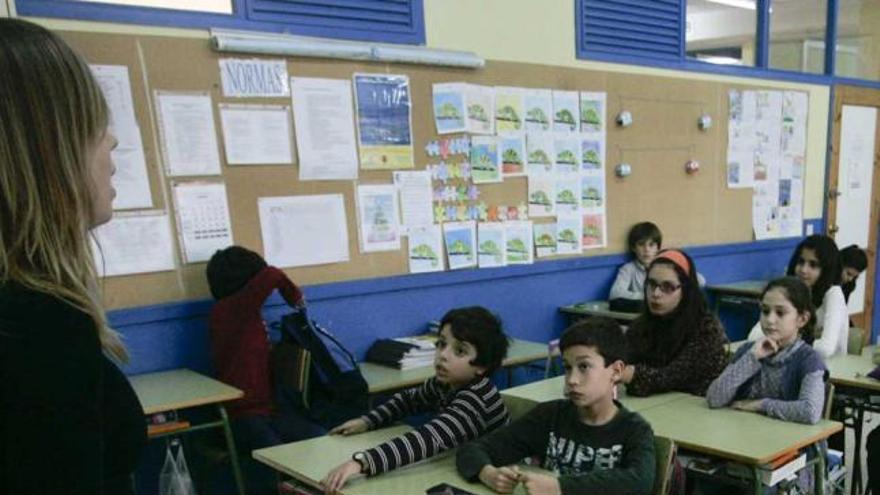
[(336, 389)]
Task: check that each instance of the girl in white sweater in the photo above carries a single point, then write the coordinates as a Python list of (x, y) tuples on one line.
[(816, 262)]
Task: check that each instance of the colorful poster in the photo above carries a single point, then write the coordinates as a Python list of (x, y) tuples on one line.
[(592, 153), (519, 243), (378, 215), (542, 195), (593, 192), (425, 249), (594, 231), (545, 239), (565, 111), (539, 148), (461, 244), (538, 104), (567, 150), (567, 194), (449, 107), (384, 123), (485, 165), (508, 109), (592, 112), (512, 150), (569, 231), (480, 101), (491, 243)]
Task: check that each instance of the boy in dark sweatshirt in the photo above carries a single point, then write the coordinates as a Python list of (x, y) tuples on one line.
[(589, 440)]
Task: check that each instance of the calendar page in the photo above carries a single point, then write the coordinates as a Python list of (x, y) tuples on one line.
[(203, 224)]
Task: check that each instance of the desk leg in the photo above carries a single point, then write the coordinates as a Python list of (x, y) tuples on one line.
[(856, 466), (756, 481), (819, 471), (233, 452)]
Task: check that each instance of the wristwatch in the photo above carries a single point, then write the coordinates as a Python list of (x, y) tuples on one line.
[(361, 458)]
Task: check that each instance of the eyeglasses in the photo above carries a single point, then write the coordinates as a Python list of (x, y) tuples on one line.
[(665, 287)]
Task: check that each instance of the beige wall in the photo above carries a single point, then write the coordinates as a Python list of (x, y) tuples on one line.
[(542, 32)]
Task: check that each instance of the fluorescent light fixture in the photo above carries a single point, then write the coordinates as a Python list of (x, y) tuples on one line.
[(743, 4), (226, 40), (720, 60)]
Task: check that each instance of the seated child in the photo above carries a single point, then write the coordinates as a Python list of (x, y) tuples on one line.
[(590, 440), (644, 241), (240, 281), (853, 261), (816, 263), (676, 344), (780, 375), (470, 348)]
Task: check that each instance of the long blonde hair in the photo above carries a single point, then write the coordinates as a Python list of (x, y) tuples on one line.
[(51, 114)]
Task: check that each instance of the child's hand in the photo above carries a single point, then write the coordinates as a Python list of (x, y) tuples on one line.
[(747, 405), (541, 484), (501, 480), (765, 347), (335, 479), (350, 427)]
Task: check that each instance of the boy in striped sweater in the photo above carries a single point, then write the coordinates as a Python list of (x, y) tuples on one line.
[(471, 346)]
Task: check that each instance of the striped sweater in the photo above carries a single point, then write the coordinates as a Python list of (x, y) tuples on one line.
[(461, 415)]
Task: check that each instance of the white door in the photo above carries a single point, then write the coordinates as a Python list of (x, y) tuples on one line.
[(854, 180)]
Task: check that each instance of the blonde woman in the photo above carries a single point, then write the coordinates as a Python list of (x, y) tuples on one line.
[(69, 421)]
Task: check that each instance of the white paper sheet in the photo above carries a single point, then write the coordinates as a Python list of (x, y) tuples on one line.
[(569, 234), (545, 239), (491, 244), (116, 87), (378, 215), (324, 119), (203, 224), (416, 196), (134, 243), (189, 139), (253, 77), (426, 249), (130, 180), (520, 249), (304, 230), (256, 134), (461, 244)]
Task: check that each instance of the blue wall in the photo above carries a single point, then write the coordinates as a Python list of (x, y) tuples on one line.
[(525, 297)]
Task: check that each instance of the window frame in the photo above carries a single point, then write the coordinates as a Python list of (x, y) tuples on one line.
[(89, 11), (761, 67)]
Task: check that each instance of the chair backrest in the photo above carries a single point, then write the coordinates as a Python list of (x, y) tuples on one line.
[(856, 341), (552, 367), (829, 399), (664, 451)]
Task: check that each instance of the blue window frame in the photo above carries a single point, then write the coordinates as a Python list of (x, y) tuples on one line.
[(393, 21), (652, 32)]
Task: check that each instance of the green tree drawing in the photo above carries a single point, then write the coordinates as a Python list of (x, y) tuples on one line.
[(489, 247), (590, 116), (537, 116), (567, 236), (511, 157), (448, 111), (478, 113), (508, 114), (539, 156), (539, 198), (566, 157), (516, 246), (566, 197), (591, 157), (565, 117)]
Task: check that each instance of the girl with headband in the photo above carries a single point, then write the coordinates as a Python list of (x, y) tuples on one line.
[(676, 344)]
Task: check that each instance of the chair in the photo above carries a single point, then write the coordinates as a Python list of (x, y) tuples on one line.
[(664, 452), (856, 341), (552, 366), (829, 400)]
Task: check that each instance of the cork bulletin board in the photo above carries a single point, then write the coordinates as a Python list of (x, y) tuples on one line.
[(695, 209)]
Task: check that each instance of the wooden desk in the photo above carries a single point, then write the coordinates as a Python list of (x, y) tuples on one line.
[(848, 373), (595, 308), (385, 378), (744, 437), (309, 461), (181, 389), (520, 400)]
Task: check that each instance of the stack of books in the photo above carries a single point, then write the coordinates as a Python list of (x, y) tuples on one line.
[(404, 352)]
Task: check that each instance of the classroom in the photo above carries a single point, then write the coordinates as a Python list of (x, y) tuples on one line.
[(256, 123)]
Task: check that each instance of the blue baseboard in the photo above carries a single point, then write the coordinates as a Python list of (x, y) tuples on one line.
[(526, 297)]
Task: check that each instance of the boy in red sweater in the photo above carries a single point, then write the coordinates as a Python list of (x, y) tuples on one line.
[(241, 281)]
